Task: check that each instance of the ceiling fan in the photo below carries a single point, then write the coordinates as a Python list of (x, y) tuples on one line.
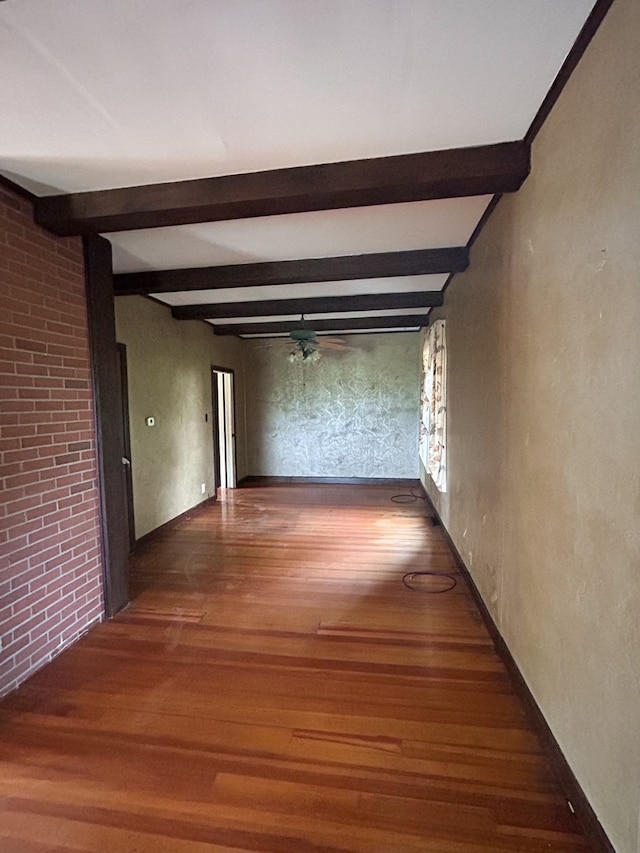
[(305, 346)]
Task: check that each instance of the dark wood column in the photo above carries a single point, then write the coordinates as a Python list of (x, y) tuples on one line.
[(108, 411)]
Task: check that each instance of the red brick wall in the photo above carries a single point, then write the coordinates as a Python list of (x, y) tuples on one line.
[(50, 559)]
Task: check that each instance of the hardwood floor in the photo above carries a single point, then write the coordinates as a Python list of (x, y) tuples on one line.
[(275, 688)]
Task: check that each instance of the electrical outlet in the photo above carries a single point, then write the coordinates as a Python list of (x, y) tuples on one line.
[(203, 488)]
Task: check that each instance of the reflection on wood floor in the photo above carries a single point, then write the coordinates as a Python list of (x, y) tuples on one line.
[(274, 688)]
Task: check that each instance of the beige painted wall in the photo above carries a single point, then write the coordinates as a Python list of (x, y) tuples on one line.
[(544, 422), (351, 414), (169, 364)]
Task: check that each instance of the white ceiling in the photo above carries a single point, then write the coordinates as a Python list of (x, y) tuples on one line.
[(101, 94), (316, 234), (393, 284)]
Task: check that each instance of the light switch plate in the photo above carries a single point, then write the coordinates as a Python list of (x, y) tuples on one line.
[(150, 421)]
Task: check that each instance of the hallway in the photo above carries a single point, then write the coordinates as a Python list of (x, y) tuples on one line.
[(275, 688)]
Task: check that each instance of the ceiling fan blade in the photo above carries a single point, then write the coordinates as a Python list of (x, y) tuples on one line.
[(334, 345), (280, 343)]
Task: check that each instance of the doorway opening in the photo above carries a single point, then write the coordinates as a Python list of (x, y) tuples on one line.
[(224, 429)]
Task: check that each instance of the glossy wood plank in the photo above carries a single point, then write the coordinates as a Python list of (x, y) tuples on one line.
[(274, 688)]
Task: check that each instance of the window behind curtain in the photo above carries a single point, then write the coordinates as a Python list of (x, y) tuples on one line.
[(433, 422)]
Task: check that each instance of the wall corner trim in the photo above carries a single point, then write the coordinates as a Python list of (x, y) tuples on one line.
[(572, 789)]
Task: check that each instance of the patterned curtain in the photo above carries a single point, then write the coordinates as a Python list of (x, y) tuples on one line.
[(433, 423)]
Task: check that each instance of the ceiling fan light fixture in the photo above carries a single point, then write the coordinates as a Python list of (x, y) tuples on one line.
[(304, 352)]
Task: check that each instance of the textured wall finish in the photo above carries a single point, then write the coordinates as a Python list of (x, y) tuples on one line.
[(169, 367), (50, 557), (544, 408), (351, 414)]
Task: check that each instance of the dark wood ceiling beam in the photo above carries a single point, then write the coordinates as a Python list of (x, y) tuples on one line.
[(10, 185), (344, 268), (456, 172), (312, 305), (360, 323)]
